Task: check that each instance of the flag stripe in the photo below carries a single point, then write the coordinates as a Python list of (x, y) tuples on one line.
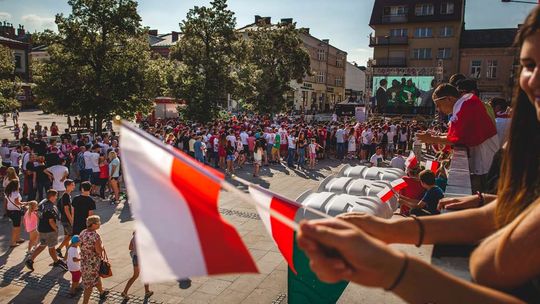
[(283, 234), (216, 236)]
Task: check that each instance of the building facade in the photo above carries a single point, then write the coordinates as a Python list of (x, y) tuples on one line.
[(162, 43), (19, 43), (355, 82), (417, 34), (326, 86), (489, 57)]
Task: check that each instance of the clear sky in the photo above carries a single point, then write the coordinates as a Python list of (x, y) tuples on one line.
[(344, 22)]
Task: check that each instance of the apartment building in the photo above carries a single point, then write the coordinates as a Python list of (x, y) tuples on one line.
[(417, 34), (488, 55), (326, 86)]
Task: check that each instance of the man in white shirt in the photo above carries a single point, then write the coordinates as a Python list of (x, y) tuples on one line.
[(60, 174), (244, 139), (231, 138), (340, 141), (94, 166), (377, 158), (291, 150), (87, 172), (398, 161), (4, 153), (15, 158), (367, 138)]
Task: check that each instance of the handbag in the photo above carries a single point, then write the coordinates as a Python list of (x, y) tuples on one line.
[(105, 269)]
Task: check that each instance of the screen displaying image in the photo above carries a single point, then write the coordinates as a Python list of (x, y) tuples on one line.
[(405, 90)]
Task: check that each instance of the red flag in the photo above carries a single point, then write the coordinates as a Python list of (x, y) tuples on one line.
[(398, 184), (411, 161), (180, 232), (432, 165), (386, 194)]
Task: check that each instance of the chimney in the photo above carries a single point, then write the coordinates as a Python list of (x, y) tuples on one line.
[(257, 19), (287, 20), (267, 20), (20, 31), (305, 30), (327, 41), (174, 36), (153, 32)]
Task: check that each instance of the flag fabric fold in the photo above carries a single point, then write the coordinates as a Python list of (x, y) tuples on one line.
[(411, 161), (174, 199), (398, 184), (432, 166), (386, 194)]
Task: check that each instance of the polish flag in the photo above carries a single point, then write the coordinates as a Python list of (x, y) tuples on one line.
[(386, 194), (174, 199), (283, 235), (411, 161), (398, 184), (432, 165)]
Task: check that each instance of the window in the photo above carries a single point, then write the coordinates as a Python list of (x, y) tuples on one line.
[(447, 31), (424, 9), (321, 54), (424, 53), (444, 53), (398, 33), (395, 11), (339, 63), (18, 61), (476, 67), (339, 81), (320, 77), (447, 8), (491, 69), (423, 32)]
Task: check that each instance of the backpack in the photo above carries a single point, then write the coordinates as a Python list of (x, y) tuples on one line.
[(42, 208)]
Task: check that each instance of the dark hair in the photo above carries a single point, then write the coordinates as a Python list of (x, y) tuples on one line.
[(427, 177), (51, 193), (454, 79), (12, 186), (383, 82), (68, 182), (519, 183), (468, 85), (86, 186), (446, 89), (498, 102), (399, 151)]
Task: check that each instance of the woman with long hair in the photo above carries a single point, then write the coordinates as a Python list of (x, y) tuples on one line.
[(114, 175), (15, 210), (505, 266)]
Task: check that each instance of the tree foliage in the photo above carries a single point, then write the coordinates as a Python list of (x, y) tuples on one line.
[(212, 60), (9, 83), (278, 54), (100, 62)]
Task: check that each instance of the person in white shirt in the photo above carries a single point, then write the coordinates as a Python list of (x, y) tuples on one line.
[(377, 158), (391, 147), (60, 174), (15, 158), (367, 138), (5, 153), (94, 166), (73, 261), (292, 150), (340, 141), (231, 138), (398, 161), (244, 139)]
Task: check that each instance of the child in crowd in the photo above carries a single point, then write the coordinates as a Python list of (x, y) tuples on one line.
[(428, 204), (257, 157), (31, 223), (312, 148), (103, 176), (74, 264)]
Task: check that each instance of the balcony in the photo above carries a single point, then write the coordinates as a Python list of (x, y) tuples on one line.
[(387, 40), (394, 19), (391, 62)]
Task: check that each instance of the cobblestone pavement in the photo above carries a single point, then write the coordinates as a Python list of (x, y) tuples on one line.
[(30, 117)]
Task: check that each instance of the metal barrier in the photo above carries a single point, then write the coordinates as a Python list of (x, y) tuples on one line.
[(371, 173)]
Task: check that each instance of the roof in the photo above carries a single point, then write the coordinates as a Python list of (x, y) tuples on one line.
[(488, 38), (9, 40), (164, 40), (40, 48), (379, 5)]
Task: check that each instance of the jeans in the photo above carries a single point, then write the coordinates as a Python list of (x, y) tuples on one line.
[(42, 188), (340, 150), (290, 157), (301, 157), (85, 175)]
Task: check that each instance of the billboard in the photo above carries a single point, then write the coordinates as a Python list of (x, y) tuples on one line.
[(406, 90)]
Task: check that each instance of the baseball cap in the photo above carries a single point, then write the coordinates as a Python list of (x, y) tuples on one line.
[(75, 239)]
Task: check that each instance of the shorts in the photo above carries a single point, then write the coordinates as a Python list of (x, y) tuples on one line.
[(49, 239), (230, 157), (135, 260), (115, 178), (275, 150), (94, 178), (68, 229), (257, 162), (75, 276), (312, 155), (15, 217)]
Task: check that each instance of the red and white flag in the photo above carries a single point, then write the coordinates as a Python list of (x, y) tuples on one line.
[(398, 184), (174, 199), (432, 165), (282, 234), (386, 194), (411, 161)]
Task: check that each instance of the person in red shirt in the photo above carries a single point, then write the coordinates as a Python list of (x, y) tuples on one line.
[(470, 126), (414, 189)]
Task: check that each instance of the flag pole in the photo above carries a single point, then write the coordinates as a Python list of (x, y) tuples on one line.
[(250, 184), (224, 184)]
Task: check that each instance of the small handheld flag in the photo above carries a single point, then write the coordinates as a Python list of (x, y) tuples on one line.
[(432, 165), (386, 194), (398, 184), (411, 161)]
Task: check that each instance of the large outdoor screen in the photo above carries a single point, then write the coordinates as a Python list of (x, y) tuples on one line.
[(405, 90)]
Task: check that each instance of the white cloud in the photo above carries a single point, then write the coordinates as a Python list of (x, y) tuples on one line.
[(34, 22), (5, 16)]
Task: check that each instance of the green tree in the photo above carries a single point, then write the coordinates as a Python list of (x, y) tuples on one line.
[(9, 87), (278, 54), (212, 61), (100, 63)]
